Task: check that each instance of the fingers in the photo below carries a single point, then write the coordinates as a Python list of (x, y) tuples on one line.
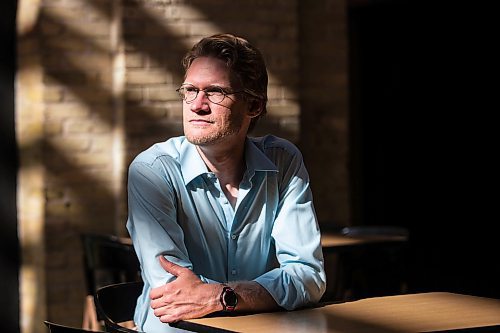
[(169, 318), (171, 267), (166, 314), (156, 293)]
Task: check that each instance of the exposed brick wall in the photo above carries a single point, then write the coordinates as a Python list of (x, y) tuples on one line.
[(77, 143), (98, 114), (31, 180), (158, 33), (324, 111)]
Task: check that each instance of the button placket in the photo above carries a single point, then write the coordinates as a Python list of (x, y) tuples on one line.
[(232, 268)]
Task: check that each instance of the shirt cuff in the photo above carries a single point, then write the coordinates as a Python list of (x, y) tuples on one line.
[(282, 288)]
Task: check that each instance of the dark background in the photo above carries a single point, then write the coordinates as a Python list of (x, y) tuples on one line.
[(423, 151), (9, 254)]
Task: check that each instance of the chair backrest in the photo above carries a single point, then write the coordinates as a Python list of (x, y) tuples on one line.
[(58, 328), (116, 304), (108, 260)]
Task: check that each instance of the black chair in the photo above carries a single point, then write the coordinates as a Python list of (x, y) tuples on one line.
[(116, 305), (374, 268), (58, 328), (107, 260), (377, 269)]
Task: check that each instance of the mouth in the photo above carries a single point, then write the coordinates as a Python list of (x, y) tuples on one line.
[(200, 121)]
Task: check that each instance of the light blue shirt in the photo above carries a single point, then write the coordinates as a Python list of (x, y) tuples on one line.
[(177, 209)]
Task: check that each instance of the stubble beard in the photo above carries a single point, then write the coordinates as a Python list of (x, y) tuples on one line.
[(212, 138), (229, 130)]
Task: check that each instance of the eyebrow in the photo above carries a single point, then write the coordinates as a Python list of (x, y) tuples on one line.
[(208, 87)]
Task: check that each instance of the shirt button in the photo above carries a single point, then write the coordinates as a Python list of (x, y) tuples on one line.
[(233, 272), (233, 236)]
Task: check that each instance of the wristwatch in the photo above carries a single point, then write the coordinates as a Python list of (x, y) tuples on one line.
[(228, 299)]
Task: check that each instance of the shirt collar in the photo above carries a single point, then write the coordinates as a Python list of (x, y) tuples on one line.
[(192, 165), (256, 160)]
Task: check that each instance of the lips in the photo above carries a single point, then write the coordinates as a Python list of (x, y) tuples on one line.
[(200, 121)]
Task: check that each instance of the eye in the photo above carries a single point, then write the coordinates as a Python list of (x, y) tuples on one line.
[(214, 91), (190, 89)]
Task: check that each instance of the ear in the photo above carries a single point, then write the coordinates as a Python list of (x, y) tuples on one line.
[(254, 108)]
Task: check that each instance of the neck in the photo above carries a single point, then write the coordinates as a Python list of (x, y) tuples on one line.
[(228, 164)]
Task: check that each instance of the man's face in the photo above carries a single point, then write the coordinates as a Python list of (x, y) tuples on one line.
[(208, 123)]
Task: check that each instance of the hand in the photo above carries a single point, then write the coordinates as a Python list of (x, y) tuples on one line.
[(186, 297)]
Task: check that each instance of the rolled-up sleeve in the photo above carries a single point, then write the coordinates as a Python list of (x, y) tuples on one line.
[(152, 222), (300, 279)]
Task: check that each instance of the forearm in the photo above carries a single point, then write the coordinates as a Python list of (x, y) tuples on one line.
[(252, 297)]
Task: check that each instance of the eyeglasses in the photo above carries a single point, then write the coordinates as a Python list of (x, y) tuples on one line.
[(214, 94)]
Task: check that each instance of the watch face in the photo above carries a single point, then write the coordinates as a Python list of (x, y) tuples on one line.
[(230, 298)]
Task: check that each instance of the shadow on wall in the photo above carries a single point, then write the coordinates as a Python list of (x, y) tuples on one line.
[(142, 128), (79, 198)]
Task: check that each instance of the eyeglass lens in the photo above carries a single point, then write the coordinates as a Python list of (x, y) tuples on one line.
[(189, 94)]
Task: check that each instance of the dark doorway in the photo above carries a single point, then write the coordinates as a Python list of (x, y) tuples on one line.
[(378, 51), (422, 145)]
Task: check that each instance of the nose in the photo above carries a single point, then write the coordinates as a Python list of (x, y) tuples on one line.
[(200, 103)]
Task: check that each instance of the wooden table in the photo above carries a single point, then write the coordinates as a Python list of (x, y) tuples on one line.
[(426, 312)]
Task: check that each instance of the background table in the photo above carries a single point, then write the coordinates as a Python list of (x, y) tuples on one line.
[(364, 264), (336, 241), (426, 312)]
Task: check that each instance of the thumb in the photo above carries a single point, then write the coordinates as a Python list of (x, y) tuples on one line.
[(170, 267)]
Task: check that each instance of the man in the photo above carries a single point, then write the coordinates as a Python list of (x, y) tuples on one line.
[(221, 221)]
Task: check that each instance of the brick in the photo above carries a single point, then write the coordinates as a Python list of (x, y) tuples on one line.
[(62, 14), (162, 93), (283, 110), (88, 95), (281, 93), (53, 2), (89, 61), (174, 111), (134, 94), (142, 114), (59, 209), (70, 144), (100, 126), (160, 60), (207, 28), (132, 28), (134, 60), (53, 127), (53, 194), (159, 29), (101, 143), (184, 12), (148, 77), (88, 29), (91, 159), (100, 43), (51, 94), (78, 126), (67, 110), (57, 43), (50, 28)]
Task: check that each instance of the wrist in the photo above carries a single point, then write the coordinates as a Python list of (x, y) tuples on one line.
[(228, 299)]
